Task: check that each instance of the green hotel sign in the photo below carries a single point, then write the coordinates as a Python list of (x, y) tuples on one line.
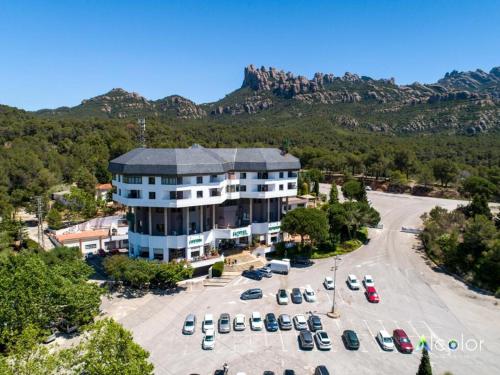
[(194, 241), (237, 233), (274, 227)]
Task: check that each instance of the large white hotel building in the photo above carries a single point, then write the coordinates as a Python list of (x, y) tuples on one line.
[(184, 202)]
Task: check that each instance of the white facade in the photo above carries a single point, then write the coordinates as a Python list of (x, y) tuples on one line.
[(184, 217)]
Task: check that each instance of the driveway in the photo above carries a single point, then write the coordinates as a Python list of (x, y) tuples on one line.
[(424, 302)]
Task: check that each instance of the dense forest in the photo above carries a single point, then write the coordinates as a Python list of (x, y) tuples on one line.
[(39, 153)]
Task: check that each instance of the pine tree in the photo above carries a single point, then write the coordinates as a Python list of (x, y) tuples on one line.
[(334, 194), (425, 364)]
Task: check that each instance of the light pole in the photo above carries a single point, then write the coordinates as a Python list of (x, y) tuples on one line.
[(333, 313)]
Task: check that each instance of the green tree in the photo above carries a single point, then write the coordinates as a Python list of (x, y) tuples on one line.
[(82, 203), (306, 222), (85, 180), (353, 189), (109, 349), (54, 219), (405, 161), (425, 176), (425, 364), (334, 194), (347, 218), (445, 171), (476, 185), (478, 206)]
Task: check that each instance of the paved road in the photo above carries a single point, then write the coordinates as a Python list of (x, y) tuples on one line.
[(414, 297)]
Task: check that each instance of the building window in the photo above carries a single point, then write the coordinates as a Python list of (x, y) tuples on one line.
[(151, 180), (127, 179), (119, 191), (292, 185), (243, 175), (199, 179), (292, 174), (281, 175), (262, 175), (160, 228), (152, 195), (281, 186), (119, 177), (91, 246), (199, 194), (243, 188), (176, 195), (262, 188), (171, 180)]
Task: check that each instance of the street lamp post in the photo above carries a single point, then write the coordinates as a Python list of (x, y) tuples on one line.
[(333, 313)]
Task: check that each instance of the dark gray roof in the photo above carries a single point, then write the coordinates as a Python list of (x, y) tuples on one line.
[(199, 160)]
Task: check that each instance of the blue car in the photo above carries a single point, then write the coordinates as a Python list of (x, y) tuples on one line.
[(271, 322)]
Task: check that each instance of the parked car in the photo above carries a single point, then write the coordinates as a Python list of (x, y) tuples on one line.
[(296, 295), (321, 370), (224, 323), (254, 293), (252, 274), (402, 341), (352, 282), (189, 326), (239, 322), (368, 281), (288, 372), (328, 283), (314, 322), (323, 342), (372, 295), (208, 322), (309, 294), (350, 339), (208, 340), (256, 322), (285, 322), (271, 322), (385, 340), (306, 340), (300, 322), (265, 272), (301, 261), (282, 297)]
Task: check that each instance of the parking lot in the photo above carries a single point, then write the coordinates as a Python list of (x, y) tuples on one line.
[(423, 302)]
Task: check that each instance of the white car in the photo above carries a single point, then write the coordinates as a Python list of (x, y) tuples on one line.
[(353, 282), (239, 322), (385, 340), (208, 323), (208, 340), (368, 281), (322, 340), (256, 321), (300, 322), (309, 294), (328, 283), (282, 297)]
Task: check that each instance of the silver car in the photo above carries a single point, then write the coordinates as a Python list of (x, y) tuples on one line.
[(224, 323), (189, 325), (322, 340)]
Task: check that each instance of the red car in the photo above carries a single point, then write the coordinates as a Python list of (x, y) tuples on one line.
[(372, 295), (402, 341)]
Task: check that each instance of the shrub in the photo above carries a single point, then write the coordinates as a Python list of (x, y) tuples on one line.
[(217, 269)]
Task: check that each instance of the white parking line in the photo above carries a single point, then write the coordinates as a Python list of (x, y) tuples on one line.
[(282, 343), (238, 280)]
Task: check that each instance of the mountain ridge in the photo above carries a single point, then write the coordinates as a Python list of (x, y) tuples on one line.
[(466, 102)]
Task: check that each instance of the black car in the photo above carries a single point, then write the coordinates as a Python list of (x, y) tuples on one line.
[(301, 261), (314, 322), (252, 274), (350, 340), (321, 370), (255, 293), (271, 322), (289, 372), (306, 340), (268, 373), (296, 295)]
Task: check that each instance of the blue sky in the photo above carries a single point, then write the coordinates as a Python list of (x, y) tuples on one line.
[(56, 53)]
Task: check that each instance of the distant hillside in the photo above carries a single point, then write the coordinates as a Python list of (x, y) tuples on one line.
[(460, 102)]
